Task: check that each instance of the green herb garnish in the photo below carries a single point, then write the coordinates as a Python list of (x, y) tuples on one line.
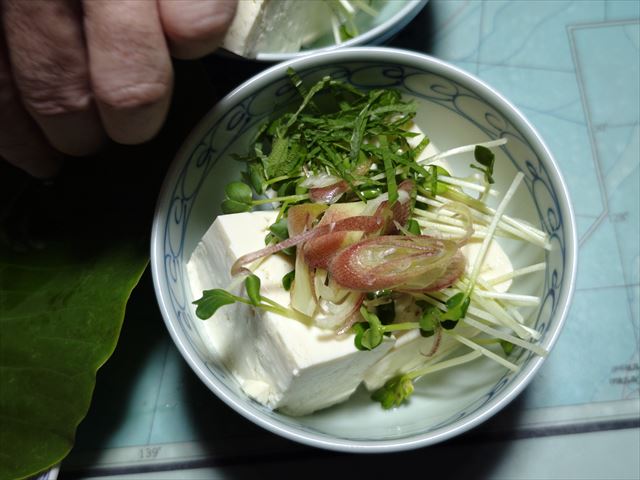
[(287, 280), (335, 140), (486, 159), (507, 347), (252, 285), (214, 299), (413, 227), (211, 301), (371, 336), (238, 199), (371, 332), (394, 392), (359, 140), (432, 317)]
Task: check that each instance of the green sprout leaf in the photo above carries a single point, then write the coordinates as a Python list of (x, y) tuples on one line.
[(394, 393), (429, 321), (457, 306), (432, 317), (231, 206), (386, 312), (456, 309), (280, 229), (373, 334), (255, 177), (434, 180), (288, 279), (286, 188), (211, 301), (278, 232), (347, 32), (507, 347), (252, 285), (370, 193), (436, 187), (486, 158), (238, 198), (359, 329), (239, 192), (413, 227), (371, 338)]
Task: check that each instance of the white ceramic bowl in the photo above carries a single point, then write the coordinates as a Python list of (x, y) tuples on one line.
[(393, 16), (455, 108)]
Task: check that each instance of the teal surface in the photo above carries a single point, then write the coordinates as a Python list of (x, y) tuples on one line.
[(573, 70)]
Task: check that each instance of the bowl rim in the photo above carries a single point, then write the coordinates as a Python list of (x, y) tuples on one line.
[(377, 34), (371, 54)]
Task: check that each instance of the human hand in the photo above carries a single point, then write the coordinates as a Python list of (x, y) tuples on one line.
[(73, 72)]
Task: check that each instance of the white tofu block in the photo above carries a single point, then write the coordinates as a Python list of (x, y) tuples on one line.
[(279, 362), (496, 263), (276, 26)]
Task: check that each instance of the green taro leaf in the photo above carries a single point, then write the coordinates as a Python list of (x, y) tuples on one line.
[(60, 318), (70, 255)]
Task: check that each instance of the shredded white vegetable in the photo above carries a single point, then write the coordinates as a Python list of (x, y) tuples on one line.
[(485, 351), (463, 149)]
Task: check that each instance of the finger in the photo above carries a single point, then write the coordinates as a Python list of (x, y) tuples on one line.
[(130, 67), (49, 65), (21, 141), (195, 28)]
